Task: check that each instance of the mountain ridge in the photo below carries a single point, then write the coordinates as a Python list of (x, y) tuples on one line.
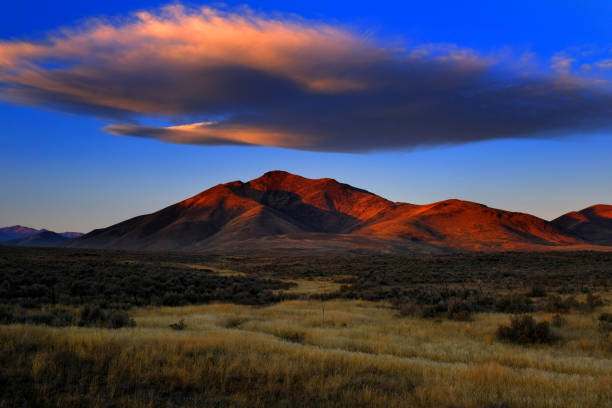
[(43, 238), (280, 211), (15, 232), (593, 224)]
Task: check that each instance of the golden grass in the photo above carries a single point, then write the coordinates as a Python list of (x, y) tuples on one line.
[(197, 266), (292, 354), (307, 287)]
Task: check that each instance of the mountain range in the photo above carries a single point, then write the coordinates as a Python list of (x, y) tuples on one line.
[(20, 235), (280, 211)]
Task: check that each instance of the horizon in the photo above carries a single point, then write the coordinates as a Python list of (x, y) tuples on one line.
[(61, 231), (503, 105)]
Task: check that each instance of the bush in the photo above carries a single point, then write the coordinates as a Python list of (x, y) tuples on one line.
[(455, 309), (118, 319), (172, 299), (558, 321), (537, 291), (461, 311), (91, 316), (605, 322), (6, 315), (593, 302), (179, 326), (525, 330), (513, 303), (557, 304), (53, 316), (605, 317)]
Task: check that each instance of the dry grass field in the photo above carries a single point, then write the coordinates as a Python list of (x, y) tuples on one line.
[(302, 354), (111, 329)]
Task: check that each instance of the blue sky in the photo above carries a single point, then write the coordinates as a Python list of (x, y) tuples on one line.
[(62, 171)]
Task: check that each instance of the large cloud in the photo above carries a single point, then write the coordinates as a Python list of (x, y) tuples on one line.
[(241, 78)]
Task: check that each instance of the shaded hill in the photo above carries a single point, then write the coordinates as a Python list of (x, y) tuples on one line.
[(285, 212), (15, 232), (592, 224), (71, 234), (40, 239)]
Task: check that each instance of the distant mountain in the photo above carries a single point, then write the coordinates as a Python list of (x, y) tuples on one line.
[(285, 212), (18, 232), (592, 224), (71, 234), (40, 239)]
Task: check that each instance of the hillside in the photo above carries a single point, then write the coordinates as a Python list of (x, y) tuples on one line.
[(18, 232), (40, 239), (592, 224), (280, 211), (15, 232)]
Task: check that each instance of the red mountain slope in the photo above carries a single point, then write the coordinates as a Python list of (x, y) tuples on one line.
[(593, 224), (465, 225), (282, 211)]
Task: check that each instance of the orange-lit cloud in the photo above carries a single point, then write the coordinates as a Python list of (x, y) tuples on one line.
[(605, 64), (243, 78)]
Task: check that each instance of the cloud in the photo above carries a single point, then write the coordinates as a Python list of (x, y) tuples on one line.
[(604, 64), (562, 63), (241, 78)]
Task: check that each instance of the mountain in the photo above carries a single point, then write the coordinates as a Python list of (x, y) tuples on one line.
[(17, 232), (592, 224), (71, 234), (42, 238), (280, 211)]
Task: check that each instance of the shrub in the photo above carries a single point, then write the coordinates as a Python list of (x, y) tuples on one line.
[(97, 317), (593, 301), (171, 299), (91, 316), (118, 319), (178, 326), (525, 330), (513, 303), (605, 322), (41, 318), (558, 321), (556, 304), (461, 311), (6, 315), (537, 291)]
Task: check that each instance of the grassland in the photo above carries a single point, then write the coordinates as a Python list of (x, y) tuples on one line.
[(313, 346)]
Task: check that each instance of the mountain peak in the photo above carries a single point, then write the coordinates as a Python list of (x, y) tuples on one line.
[(593, 224), (600, 210), (15, 231), (280, 210), (276, 178), (277, 173), (18, 228)]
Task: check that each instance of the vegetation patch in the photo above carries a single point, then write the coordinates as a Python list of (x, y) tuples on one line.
[(62, 316), (525, 330)]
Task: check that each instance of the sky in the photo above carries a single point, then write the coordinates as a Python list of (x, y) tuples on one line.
[(113, 109)]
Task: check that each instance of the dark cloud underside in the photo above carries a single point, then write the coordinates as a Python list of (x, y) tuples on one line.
[(249, 80)]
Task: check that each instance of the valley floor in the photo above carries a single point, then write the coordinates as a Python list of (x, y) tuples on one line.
[(304, 353)]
